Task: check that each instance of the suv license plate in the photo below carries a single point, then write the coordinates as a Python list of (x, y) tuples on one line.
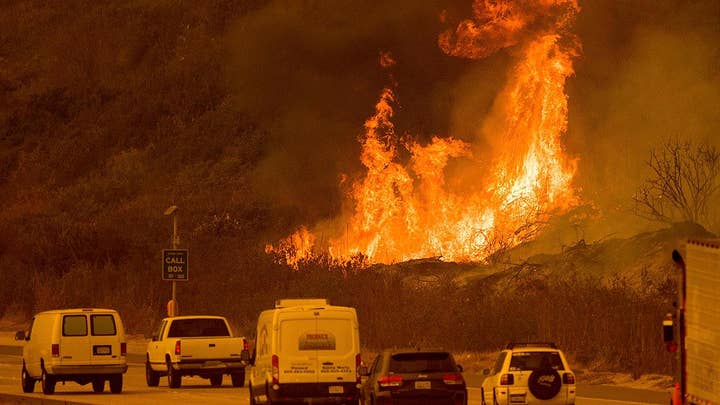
[(336, 389), (422, 385)]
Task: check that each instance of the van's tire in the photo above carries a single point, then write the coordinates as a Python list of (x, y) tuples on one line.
[(48, 383), (238, 379), (28, 383), (544, 383), (216, 380), (152, 377), (174, 377), (98, 385), (116, 383)]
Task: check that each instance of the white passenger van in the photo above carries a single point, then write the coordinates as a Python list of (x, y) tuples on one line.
[(306, 351), (80, 345)]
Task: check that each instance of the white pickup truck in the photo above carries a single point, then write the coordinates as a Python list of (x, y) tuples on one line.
[(202, 346)]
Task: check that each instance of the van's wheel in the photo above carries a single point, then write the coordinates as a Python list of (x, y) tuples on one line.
[(28, 383), (48, 382), (216, 380), (98, 385), (151, 377), (238, 379), (174, 377), (116, 383)]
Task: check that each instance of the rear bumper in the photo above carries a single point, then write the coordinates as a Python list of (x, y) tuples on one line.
[(314, 393), (94, 369), (450, 397), (209, 367)]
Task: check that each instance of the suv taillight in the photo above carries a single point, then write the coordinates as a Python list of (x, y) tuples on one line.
[(123, 349), (390, 381), (177, 348), (275, 369), (453, 379), (568, 378), (55, 350), (507, 379)]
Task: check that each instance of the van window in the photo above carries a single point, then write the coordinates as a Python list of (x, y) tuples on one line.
[(102, 325), (74, 325)]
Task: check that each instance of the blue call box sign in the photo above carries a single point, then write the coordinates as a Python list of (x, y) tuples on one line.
[(175, 264)]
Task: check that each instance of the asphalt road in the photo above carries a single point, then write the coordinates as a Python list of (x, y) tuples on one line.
[(197, 391)]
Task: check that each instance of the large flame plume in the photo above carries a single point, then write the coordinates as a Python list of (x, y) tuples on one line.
[(406, 210)]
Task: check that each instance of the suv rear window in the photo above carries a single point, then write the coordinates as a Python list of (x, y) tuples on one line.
[(522, 361), (421, 362), (102, 325), (74, 325), (198, 328)]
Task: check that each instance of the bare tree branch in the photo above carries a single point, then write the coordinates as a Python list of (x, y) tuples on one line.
[(684, 180)]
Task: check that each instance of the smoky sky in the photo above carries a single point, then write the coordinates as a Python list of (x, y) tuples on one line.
[(307, 72)]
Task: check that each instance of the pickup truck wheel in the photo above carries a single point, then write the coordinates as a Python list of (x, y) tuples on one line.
[(151, 377), (238, 379), (116, 383), (28, 383), (98, 385), (174, 377), (216, 380), (48, 383)]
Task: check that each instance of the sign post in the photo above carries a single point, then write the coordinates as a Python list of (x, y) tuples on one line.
[(174, 263)]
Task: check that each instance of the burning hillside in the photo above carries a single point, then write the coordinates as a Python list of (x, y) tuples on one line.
[(404, 205)]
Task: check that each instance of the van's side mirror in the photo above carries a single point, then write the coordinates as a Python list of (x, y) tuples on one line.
[(154, 338), (486, 371), (363, 371), (20, 335), (459, 368)]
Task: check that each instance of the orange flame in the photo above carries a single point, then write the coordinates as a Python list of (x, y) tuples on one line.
[(400, 213)]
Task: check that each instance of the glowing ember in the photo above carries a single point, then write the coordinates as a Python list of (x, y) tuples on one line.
[(400, 212)]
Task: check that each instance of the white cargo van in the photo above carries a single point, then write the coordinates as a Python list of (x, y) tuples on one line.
[(306, 351), (81, 345)]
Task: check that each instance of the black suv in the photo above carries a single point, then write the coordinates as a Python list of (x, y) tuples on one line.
[(406, 377)]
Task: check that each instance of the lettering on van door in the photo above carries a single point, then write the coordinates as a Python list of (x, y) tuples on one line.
[(320, 340)]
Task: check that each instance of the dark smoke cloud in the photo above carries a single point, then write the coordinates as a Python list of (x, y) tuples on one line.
[(308, 73)]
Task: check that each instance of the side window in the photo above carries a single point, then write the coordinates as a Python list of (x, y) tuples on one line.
[(158, 333), (374, 367), (102, 325), (32, 322), (499, 363), (74, 325)]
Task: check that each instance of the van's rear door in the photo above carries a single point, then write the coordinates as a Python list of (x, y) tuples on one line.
[(337, 346), (298, 362), (74, 339), (104, 342)]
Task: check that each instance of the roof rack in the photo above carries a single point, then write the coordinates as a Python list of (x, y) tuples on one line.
[(513, 345), (295, 302)]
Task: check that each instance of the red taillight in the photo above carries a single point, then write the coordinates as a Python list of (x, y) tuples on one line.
[(568, 378), (177, 348), (275, 369), (389, 381), (245, 344), (123, 349), (55, 350), (507, 379), (358, 363), (453, 379)]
